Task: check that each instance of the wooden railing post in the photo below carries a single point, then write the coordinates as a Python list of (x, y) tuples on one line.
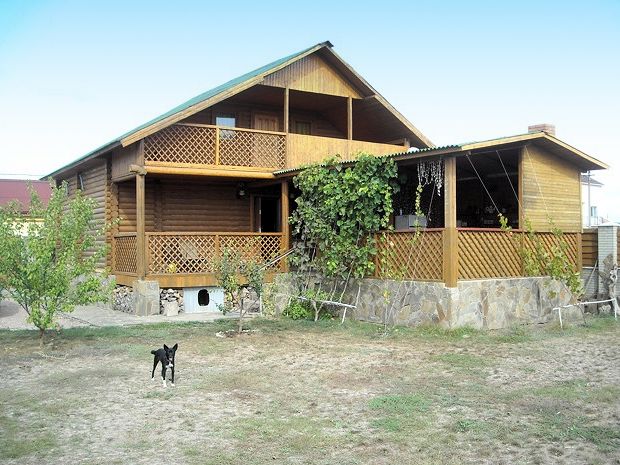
[(217, 145), (450, 234)]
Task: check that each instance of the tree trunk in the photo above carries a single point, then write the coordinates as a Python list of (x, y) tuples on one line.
[(240, 327)]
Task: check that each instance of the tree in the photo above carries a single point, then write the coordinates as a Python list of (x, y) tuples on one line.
[(44, 265), (232, 271)]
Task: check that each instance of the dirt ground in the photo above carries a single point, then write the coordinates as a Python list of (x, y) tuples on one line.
[(299, 392)]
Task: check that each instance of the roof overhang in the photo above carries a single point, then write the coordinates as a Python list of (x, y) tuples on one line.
[(548, 142)]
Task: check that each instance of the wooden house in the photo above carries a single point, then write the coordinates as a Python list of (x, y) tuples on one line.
[(214, 173)]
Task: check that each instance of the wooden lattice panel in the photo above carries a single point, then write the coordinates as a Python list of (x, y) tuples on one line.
[(488, 254), (248, 148), (169, 254), (124, 255), (551, 242), (181, 144), (260, 248), (197, 253), (402, 255)]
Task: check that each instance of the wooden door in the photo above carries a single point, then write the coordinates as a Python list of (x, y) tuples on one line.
[(266, 122)]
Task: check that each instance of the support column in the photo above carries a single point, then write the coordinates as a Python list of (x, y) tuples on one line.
[(286, 110), (284, 201), (450, 234), (349, 125), (140, 226)]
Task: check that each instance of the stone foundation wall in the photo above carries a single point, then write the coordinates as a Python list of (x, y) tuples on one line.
[(488, 303), (170, 300)]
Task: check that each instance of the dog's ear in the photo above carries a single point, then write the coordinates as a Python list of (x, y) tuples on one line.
[(176, 346), (166, 348)]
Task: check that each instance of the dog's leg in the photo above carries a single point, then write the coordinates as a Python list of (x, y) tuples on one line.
[(155, 360), (172, 375), (163, 373)]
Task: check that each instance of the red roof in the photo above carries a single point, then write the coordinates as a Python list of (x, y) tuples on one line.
[(17, 189)]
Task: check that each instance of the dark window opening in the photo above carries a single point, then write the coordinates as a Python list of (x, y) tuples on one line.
[(203, 297)]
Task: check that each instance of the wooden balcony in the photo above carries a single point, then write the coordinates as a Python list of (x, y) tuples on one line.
[(188, 259), (195, 146), (188, 145)]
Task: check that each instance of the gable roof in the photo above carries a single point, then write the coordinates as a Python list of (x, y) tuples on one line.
[(234, 86)]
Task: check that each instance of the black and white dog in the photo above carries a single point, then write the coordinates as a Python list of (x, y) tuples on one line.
[(166, 357)]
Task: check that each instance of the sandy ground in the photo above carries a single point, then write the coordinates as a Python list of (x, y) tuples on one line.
[(315, 395)]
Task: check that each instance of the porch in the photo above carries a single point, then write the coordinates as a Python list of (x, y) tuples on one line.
[(188, 259)]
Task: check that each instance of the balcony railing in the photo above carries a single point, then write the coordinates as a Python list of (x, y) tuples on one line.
[(200, 144)]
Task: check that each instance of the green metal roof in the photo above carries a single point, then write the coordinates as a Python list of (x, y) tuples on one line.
[(189, 103)]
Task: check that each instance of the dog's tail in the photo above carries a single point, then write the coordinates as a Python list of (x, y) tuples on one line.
[(153, 352)]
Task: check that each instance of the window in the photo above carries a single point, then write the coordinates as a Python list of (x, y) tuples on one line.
[(303, 127), (593, 212), (226, 120)]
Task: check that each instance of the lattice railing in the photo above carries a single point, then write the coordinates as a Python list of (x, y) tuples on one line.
[(402, 255), (488, 254), (124, 253), (212, 145), (189, 253), (182, 144), (495, 253), (251, 148)]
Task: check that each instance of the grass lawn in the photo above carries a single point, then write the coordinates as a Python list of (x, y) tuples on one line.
[(300, 392)]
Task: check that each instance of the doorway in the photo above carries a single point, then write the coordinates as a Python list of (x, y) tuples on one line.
[(267, 213)]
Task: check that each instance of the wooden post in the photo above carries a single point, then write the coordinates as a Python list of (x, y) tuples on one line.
[(286, 109), (450, 234), (520, 189), (349, 125), (284, 209), (579, 253), (350, 118), (140, 227), (217, 145)]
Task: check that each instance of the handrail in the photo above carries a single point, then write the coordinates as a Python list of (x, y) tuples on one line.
[(209, 233), (229, 128)]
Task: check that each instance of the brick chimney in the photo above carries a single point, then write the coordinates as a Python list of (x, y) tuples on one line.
[(548, 128)]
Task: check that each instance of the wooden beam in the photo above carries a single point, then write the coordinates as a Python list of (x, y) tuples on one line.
[(349, 118), (520, 188), (450, 234), (213, 172), (284, 219), (286, 110), (140, 227)]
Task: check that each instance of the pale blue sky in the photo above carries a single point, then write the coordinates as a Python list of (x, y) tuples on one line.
[(75, 74)]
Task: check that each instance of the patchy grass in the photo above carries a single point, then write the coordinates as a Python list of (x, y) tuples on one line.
[(324, 393)]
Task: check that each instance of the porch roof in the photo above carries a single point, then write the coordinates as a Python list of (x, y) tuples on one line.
[(565, 151)]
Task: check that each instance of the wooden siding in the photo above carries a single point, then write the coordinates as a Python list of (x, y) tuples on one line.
[(589, 246), (175, 205), (94, 185), (550, 189), (122, 158), (310, 149), (312, 74)]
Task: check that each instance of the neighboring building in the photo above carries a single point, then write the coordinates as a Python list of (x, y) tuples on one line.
[(591, 200), (216, 172), (17, 190)]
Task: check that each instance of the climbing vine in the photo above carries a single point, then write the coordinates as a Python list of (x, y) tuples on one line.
[(538, 260), (339, 209)]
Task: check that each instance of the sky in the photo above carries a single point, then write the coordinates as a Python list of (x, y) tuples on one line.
[(76, 74)]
